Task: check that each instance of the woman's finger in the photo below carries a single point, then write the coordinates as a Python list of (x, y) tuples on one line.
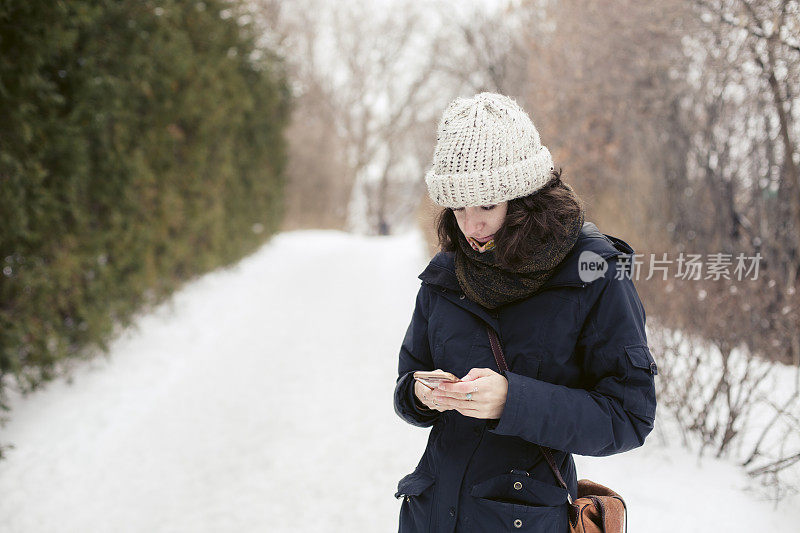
[(432, 403), (473, 395), (426, 396), (462, 387), (456, 403), (429, 400), (461, 391)]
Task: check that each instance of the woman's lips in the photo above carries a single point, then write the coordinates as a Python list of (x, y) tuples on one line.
[(484, 239)]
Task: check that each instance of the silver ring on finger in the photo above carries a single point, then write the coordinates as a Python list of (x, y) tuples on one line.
[(469, 396)]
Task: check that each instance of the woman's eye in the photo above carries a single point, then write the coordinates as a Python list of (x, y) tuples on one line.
[(484, 207)]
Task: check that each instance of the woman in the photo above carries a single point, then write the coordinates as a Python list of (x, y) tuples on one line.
[(516, 255)]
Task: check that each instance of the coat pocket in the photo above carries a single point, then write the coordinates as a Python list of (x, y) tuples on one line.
[(416, 490), (519, 488), (414, 484), (518, 502), (639, 396)]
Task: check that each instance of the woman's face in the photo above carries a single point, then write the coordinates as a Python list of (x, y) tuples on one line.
[(481, 222)]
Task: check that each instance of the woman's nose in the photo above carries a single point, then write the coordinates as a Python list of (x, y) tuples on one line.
[(473, 223)]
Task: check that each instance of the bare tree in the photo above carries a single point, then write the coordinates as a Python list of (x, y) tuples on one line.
[(369, 85), (319, 180)]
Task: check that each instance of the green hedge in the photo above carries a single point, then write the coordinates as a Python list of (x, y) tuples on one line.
[(140, 144)]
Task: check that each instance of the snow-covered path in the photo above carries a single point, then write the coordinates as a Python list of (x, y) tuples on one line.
[(260, 399)]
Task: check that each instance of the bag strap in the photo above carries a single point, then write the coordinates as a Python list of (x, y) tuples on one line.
[(497, 350)]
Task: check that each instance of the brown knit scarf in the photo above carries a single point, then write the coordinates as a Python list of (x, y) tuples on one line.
[(492, 286)]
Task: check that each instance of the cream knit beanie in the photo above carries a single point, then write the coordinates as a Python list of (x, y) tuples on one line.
[(487, 151)]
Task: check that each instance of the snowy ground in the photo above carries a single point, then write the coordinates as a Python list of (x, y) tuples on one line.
[(260, 399)]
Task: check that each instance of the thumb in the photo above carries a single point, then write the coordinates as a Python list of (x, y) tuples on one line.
[(476, 373)]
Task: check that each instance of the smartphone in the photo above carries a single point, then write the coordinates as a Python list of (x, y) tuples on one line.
[(432, 378)]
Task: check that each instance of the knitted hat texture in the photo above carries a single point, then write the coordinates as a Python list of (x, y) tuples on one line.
[(487, 151)]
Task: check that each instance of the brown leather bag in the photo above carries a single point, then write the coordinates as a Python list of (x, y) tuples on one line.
[(598, 509)]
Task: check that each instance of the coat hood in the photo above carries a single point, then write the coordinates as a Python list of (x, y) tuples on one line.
[(441, 270)]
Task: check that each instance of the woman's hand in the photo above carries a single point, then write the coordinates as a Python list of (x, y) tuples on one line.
[(425, 396), (487, 390)]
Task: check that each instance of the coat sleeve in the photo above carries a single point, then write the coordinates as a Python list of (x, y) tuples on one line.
[(415, 354), (615, 409)]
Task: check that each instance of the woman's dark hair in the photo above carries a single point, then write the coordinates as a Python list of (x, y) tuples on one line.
[(545, 216)]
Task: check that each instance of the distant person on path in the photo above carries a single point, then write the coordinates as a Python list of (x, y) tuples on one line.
[(517, 255)]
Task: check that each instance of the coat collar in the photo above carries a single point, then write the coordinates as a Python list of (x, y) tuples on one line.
[(441, 270)]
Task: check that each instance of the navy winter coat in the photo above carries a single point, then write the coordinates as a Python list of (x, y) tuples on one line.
[(580, 381)]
